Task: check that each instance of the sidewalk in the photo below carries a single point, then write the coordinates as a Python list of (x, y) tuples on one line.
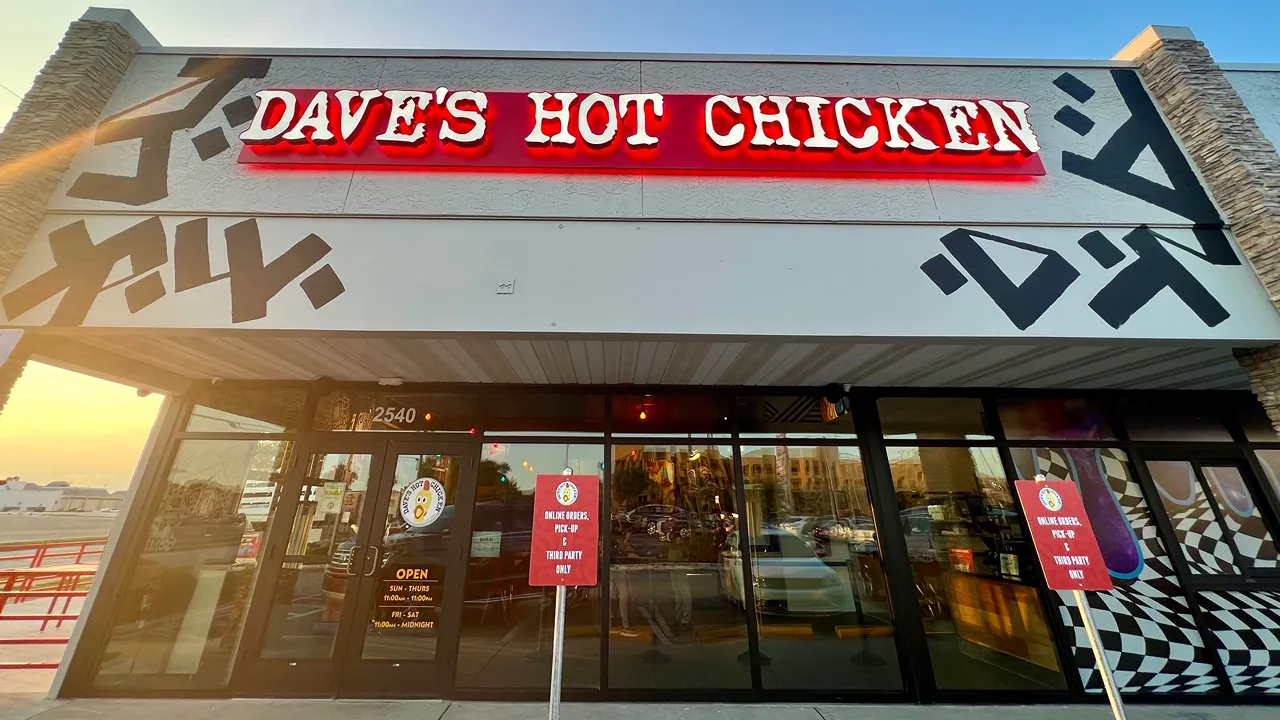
[(27, 707)]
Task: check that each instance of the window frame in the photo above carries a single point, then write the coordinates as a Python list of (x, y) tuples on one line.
[(918, 680)]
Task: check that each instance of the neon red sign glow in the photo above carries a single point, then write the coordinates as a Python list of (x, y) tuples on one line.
[(651, 132)]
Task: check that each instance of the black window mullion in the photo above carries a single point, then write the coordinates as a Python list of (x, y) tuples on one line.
[(1228, 535), (1173, 549), (1111, 412), (1263, 491), (912, 644), (606, 550), (1064, 639), (754, 656)]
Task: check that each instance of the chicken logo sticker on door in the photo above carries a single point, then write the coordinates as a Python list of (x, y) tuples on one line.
[(422, 502)]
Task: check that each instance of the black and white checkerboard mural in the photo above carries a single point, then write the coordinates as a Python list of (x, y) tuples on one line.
[(1200, 534), (1240, 513), (1247, 627), (1145, 623), (1198, 531)]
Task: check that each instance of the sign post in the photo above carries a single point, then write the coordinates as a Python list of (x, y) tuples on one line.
[(566, 531), (1069, 557)]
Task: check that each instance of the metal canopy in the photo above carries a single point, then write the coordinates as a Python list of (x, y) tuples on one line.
[(663, 360)]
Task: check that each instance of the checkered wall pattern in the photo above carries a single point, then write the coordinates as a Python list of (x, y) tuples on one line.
[(1247, 628), (1199, 533), (1145, 623)]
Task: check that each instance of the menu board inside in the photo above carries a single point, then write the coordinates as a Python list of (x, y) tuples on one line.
[(408, 597)]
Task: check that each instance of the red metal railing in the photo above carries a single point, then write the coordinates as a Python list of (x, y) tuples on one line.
[(41, 554), (54, 570)]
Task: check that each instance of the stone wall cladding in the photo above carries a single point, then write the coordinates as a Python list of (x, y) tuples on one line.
[(49, 126), (1240, 167), (44, 133)]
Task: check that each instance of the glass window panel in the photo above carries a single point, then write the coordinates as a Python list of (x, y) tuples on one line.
[(1253, 418), (376, 411), (1240, 512), (669, 414), (821, 597), (234, 408), (793, 416), (1140, 568), (673, 622), (1200, 535), (1048, 418), (409, 582), (984, 618), (1270, 461), (316, 570), (1184, 419), (178, 622), (506, 624), (913, 418), (539, 413)]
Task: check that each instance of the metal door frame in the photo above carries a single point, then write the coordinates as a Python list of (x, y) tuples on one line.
[(361, 678), (255, 675)]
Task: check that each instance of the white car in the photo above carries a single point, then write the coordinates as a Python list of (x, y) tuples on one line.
[(789, 578)]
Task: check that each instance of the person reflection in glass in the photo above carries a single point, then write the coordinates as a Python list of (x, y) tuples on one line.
[(621, 582), (678, 554)]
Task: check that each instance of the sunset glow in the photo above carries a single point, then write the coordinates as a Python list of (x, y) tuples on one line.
[(61, 425)]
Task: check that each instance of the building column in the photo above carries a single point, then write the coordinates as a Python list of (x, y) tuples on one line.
[(1239, 166), (54, 120)]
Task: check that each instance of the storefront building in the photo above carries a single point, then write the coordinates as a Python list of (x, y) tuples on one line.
[(805, 318)]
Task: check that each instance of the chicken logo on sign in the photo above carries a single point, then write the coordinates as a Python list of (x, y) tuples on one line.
[(1050, 499), (566, 493)]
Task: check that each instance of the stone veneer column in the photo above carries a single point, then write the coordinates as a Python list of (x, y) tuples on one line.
[(1239, 165), (49, 126)]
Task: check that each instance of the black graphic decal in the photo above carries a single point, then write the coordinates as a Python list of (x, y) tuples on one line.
[(1022, 303), (1101, 249), (240, 112), (210, 143), (944, 274), (1135, 285), (253, 283), (1144, 129), (1154, 270), (1074, 120), (1074, 86), (219, 76), (81, 268)]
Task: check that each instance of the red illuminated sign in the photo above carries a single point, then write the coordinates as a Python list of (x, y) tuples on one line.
[(1064, 539), (629, 132), (566, 526)]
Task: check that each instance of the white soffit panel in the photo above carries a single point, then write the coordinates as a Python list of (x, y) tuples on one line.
[(540, 360)]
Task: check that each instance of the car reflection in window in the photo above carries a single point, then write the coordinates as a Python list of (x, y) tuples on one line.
[(788, 575)]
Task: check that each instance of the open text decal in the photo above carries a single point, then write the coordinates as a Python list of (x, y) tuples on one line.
[(756, 134)]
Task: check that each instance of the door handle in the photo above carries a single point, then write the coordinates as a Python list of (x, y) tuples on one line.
[(373, 566)]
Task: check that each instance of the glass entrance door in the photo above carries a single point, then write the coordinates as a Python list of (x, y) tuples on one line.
[(409, 590), (353, 596)]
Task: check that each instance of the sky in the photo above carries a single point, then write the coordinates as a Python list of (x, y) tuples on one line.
[(59, 426), (1234, 30)]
